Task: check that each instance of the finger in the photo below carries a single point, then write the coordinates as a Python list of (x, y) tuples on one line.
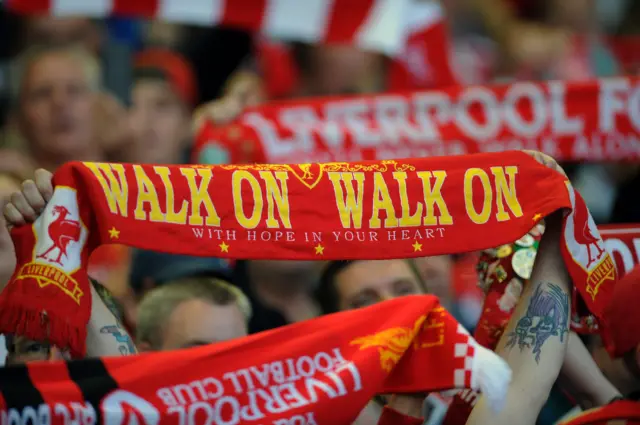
[(33, 196), (18, 200), (12, 215), (44, 182)]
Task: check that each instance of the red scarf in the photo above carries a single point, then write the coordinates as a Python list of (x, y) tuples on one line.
[(389, 209), (591, 121), (321, 371), (623, 242), (622, 411)]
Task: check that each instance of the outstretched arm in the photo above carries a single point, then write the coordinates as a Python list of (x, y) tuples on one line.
[(535, 341)]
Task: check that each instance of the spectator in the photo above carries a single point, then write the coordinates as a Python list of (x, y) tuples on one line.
[(55, 94), (101, 39), (336, 69), (190, 312), (280, 291), (163, 95), (41, 30), (150, 269), (587, 55), (354, 284)]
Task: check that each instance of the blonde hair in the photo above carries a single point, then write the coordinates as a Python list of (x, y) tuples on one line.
[(20, 66), (157, 305)]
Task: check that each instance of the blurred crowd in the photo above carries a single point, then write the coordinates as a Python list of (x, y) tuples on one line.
[(128, 90)]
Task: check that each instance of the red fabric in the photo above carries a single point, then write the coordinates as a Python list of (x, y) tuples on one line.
[(425, 60), (177, 70), (369, 24), (324, 370), (302, 212), (623, 242), (464, 279), (591, 121), (627, 50), (278, 69), (623, 314), (392, 417), (622, 412)]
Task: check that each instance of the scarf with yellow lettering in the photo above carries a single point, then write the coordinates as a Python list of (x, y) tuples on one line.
[(371, 210), (321, 371)]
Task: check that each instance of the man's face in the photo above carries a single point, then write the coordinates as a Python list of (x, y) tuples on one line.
[(196, 322), (364, 283), (160, 122), (436, 273), (24, 350), (56, 104)]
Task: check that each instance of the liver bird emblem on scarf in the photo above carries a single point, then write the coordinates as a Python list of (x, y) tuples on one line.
[(392, 343)]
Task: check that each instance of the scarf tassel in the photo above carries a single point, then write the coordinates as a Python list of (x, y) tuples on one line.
[(491, 376), (29, 320)]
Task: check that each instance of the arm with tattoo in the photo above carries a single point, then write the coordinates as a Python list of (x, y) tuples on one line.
[(535, 341), (105, 334)]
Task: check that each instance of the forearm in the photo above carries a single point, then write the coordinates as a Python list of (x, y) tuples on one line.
[(581, 377), (535, 341), (105, 334)]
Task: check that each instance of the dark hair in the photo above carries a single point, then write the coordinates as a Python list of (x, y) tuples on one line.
[(326, 294)]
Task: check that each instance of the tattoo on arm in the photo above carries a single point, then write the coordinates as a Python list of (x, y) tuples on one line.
[(547, 315), (125, 346)]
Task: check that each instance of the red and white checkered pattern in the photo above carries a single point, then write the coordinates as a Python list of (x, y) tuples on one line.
[(481, 370), (464, 351), (377, 25)]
